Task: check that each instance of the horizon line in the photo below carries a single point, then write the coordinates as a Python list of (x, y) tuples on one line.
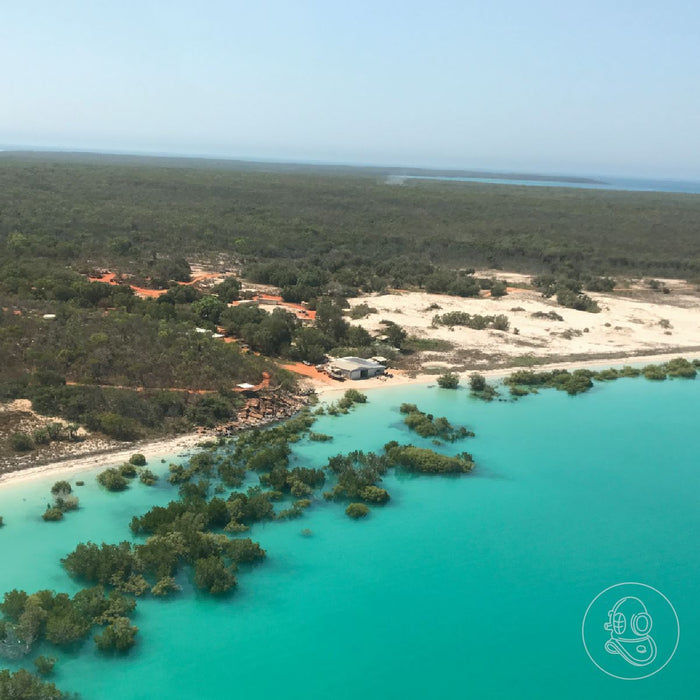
[(26, 148)]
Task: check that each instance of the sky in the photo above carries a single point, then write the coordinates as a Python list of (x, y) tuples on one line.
[(594, 87)]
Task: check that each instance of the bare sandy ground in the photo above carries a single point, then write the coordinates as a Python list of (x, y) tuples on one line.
[(73, 466), (631, 323)]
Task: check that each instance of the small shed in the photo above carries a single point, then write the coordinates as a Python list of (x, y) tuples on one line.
[(356, 367)]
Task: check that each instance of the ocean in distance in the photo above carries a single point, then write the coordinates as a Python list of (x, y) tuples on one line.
[(471, 586), (627, 184)]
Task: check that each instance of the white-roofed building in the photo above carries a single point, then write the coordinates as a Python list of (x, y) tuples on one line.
[(356, 367)]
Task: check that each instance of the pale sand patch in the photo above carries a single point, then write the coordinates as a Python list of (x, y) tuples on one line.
[(626, 326), (73, 466)]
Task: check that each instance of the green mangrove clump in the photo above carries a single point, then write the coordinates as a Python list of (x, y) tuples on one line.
[(428, 426), (355, 472), (527, 381), (44, 665), (426, 461), (63, 501), (56, 618), (118, 635), (357, 510), (524, 382), (147, 477), (23, 684), (113, 480), (449, 380), (480, 388), (344, 404), (52, 515)]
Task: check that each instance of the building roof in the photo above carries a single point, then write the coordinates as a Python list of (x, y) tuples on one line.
[(351, 363)]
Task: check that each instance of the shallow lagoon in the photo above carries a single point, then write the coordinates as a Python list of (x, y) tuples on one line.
[(470, 586)]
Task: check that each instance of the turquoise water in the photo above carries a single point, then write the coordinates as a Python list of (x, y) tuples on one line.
[(461, 587), (628, 184)]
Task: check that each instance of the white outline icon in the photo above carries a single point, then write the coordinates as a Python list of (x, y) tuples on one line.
[(629, 624)]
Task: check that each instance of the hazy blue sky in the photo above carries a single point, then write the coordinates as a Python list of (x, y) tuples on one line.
[(593, 86)]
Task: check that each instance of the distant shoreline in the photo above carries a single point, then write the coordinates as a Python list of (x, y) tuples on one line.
[(476, 175), (328, 392), (169, 447)]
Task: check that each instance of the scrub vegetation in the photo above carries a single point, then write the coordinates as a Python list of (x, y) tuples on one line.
[(130, 367), (63, 501), (25, 685), (426, 425), (478, 322), (351, 228), (525, 382)]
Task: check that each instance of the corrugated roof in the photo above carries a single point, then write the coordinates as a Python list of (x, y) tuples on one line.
[(351, 363)]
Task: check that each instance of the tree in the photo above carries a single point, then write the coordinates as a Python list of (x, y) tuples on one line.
[(359, 337), (421, 459), (500, 322), (212, 575), (118, 426), (119, 635), (138, 460), (228, 290), (164, 587), (25, 686), (477, 382), (449, 380), (395, 334), (113, 480), (374, 494), (62, 488), (147, 477), (273, 334), (329, 319), (52, 514), (128, 470), (167, 269), (208, 309), (44, 664), (180, 294), (233, 319), (357, 510), (499, 289), (21, 442), (310, 344), (13, 604)]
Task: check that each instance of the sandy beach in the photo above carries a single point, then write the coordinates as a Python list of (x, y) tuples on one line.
[(327, 392), (157, 449), (331, 392), (634, 326)]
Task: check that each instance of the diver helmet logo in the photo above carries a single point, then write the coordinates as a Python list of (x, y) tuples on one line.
[(630, 631), (629, 624)]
